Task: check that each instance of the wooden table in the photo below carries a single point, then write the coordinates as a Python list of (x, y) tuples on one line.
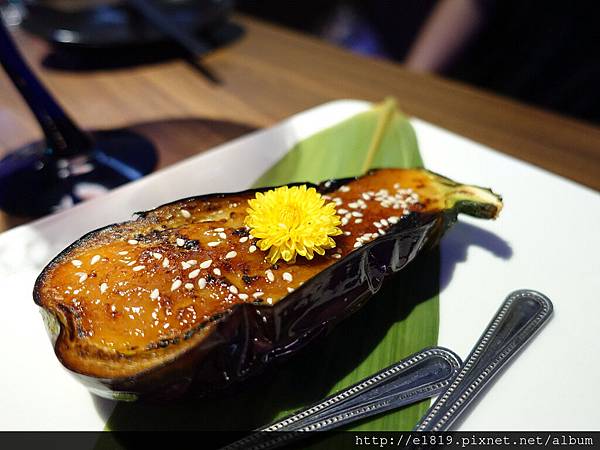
[(272, 73)]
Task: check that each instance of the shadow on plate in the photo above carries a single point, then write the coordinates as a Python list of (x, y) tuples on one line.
[(311, 374), (455, 250)]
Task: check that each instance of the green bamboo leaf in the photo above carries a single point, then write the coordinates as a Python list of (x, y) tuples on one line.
[(399, 320), (379, 137)]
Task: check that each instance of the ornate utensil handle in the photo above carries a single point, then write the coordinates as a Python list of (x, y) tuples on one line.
[(421, 375), (519, 318)]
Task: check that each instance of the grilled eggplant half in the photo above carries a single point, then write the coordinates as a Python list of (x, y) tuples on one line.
[(181, 301)]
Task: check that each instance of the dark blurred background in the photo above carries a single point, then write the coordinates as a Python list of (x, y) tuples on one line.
[(542, 52)]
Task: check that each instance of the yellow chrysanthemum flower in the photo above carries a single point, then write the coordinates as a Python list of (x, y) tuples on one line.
[(292, 221)]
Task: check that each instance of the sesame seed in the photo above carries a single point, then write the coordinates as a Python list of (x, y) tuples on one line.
[(206, 264), (82, 276), (154, 294), (189, 286), (243, 296), (131, 263), (393, 219), (176, 284), (138, 268), (347, 233), (381, 232), (157, 255), (165, 262), (202, 283), (290, 290), (366, 196), (185, 213), (287, 276), (344, 188), (180, 242), (124, 252), (252, 248), (270, 275), (353, 205), (357, 244), (95, 259), (384, 222), (217, 271), (231, 254), (342, 211), (103, 288), (243, 239), (233, 289), (213, 243), (222, 235), (219, 230), (166, 325), (194, 273), (357, 214), (185, 265), (76, 263), (258, 294), (132, 241), (377, 224), (113, 308), (270, 301), (336, 256), (358, 221), (344, 221)]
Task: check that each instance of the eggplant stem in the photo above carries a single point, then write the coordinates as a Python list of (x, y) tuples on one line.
[(475, 201)]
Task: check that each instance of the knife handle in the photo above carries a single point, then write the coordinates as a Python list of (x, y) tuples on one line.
[(421, 375), (519, 318)]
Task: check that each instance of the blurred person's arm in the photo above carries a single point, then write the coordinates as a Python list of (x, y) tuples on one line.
[(445, 34)]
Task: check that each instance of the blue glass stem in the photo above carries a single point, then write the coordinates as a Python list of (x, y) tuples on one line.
[(63, 137)]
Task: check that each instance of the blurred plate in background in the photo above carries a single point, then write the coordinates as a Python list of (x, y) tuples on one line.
[(109, 23)]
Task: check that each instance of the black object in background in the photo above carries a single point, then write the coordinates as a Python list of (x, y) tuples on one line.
[(191, 44), (121, 34), (540, 52)]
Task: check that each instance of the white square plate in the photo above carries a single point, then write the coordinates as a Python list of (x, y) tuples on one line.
[(547, 238)]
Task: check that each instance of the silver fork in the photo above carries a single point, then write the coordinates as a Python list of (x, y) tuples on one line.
[(421, 375)]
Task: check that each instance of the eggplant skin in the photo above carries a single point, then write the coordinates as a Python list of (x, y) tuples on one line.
[(235, 344)]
